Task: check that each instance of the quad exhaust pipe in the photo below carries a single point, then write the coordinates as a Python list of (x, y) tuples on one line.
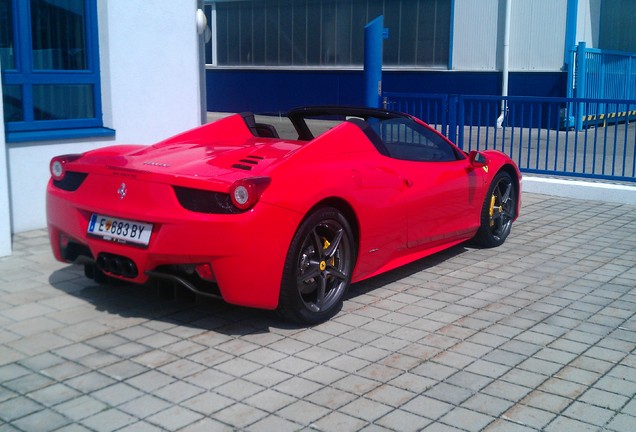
[(117, 265)]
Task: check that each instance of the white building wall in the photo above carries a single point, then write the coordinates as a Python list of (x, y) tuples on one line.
[(150, 90), (5, 220), (476, 43), (588, 21), (537, 34)]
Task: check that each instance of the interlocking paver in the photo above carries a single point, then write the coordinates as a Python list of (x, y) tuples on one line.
[(41, 420), (108, 420), (28, 383), (331, 397), (403, 421), (240, 415), (449, 393), (140, 426), (80, 408), (546, 401), (174, 418), (303, 412), (79, 428), (506, 390), (465, 419), (589, 413), (468, 380), (487, 404), (506, 425), (18, 407), (529, 416), (272, 423), (336, 421), (537, 334), (621, 423), (240, 389), (54, 394), (353, 383), (98, 360), (366, 409)]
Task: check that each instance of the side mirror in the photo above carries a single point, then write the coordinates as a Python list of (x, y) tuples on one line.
[(477, 159)]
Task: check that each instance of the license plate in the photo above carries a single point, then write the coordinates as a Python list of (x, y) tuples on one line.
[(120, 230)]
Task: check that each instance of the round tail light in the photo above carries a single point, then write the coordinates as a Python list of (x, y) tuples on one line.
[(58, 165), (245, 193)]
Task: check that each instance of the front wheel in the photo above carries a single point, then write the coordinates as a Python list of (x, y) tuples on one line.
[(498, 211), (318, 268)]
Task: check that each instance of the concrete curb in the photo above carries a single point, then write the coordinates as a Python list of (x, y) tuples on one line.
[(609, 192)]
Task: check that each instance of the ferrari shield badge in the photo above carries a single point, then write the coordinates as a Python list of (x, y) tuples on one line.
[(122, 191)]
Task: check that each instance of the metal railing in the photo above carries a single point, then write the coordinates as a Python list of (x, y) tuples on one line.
[(605, 74), (433, 107), (601, 74), (536, 132)]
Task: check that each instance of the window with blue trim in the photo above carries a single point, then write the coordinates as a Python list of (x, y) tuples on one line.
[(50, 65)]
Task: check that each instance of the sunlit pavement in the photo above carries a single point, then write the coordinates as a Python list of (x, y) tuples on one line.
[(538, 334)]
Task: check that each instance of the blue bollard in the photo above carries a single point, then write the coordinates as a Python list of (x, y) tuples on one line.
[(374, 33)]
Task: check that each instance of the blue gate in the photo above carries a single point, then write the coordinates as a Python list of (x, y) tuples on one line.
[(535, 132), (433, 107), (602, 74)]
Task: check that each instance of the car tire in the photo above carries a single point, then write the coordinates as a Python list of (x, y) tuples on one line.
[(318, 268), (498, 211)]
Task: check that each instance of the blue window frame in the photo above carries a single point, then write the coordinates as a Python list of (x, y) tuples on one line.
[(50, 68)]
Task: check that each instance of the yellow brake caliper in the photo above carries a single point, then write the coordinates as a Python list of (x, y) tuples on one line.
[(325, 245), (492, 209)]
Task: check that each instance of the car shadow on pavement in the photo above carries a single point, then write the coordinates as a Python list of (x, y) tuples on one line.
[(407, 270), (178, 306)]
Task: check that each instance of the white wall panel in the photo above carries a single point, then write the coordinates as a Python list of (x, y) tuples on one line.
[(476, 42), (153, 61), (537, 35), (588, 21), (5, 220)]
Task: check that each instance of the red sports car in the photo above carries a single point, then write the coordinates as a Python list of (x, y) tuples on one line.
[(231, 210)]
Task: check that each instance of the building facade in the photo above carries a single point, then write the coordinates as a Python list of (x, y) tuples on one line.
[(82, 74), (271, 55)]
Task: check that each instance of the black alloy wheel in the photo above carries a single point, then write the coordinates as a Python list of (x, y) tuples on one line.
[(318, 268), (498, 211)]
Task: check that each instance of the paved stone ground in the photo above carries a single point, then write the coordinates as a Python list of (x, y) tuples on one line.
[(539, 334)]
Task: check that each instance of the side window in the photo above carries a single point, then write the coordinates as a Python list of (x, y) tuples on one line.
[(408, 140)]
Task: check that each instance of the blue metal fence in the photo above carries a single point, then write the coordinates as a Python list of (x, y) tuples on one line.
[(607, 74), (536, 132), (433, 107), (602, 74)]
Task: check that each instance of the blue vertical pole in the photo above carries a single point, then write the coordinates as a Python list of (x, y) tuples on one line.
[(461, 120), (569, 56), (570, 32), (373, 36), (580, 85), (453, 101)]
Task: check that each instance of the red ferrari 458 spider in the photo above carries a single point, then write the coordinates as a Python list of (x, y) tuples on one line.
[(230, 210)]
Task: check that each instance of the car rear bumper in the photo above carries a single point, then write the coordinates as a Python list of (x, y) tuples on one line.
[(246, 251)]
